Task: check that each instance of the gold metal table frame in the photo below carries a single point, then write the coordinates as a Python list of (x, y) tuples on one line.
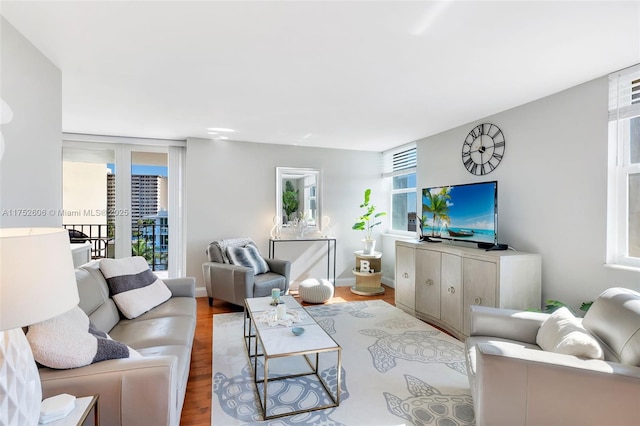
[(268, 343)]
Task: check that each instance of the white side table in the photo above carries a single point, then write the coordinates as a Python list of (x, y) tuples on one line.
[(80, 413)]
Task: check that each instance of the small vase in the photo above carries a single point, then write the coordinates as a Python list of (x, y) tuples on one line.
[(369, 247)]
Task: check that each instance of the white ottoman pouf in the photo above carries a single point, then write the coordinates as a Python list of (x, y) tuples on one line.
[(315, 290)]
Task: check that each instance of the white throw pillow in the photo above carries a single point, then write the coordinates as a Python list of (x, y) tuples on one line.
[(249, 257), (563, 333), (132, 285), (70, 340)]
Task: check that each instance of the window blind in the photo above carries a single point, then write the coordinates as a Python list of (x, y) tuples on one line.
[(624, 93), (401, 160)]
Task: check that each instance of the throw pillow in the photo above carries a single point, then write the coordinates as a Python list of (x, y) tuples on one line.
[(563, 333), (249, 257), (70, 340), (133, 287)]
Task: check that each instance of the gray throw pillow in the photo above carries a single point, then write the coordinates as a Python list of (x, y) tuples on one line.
[(249, 257)]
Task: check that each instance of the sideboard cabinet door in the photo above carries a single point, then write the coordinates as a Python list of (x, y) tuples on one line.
[(438, 283), (480, 286), (405, 278), (451, 290), (428, 282)]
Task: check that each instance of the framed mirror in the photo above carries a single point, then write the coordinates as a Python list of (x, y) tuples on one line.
[(298, 198)]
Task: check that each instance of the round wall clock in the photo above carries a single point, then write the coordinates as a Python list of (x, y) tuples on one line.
[(483, 149)]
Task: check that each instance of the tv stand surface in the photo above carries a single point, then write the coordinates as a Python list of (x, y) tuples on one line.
[(430, 240), (490, 246)]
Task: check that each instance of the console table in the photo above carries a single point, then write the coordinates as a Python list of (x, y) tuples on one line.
[(272, 251)]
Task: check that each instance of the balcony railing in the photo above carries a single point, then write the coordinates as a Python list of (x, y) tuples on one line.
[(100, 237), (148, 240), (151, 241)]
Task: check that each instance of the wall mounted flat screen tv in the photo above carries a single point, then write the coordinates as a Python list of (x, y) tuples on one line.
[(466, 212)]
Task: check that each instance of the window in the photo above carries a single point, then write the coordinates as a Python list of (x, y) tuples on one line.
[(121, 193), (623, 222), (400, 169)]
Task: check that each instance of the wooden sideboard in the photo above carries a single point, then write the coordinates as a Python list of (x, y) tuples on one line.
[(438, 282)]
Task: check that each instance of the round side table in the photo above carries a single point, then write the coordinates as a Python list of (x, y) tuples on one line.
[(368, 272)]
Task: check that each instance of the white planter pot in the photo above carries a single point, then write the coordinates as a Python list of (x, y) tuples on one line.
[(368, 247)]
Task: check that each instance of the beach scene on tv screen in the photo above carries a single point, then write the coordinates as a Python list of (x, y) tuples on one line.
[(462, 212)]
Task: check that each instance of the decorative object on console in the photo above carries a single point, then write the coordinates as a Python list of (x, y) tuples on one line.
[(367, 221), (483, 149), (325, 229), (300, 224), (276, 230), (29, 295)]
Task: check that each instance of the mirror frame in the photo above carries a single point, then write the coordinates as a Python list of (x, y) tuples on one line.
[(281, 174)]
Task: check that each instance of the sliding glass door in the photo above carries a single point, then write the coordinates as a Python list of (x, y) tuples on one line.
[(137, 191)]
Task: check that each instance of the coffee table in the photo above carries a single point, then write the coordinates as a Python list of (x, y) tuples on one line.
[(273, 342)]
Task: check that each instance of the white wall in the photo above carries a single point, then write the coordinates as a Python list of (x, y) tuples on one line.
[(84, 187), (31, 167), (231, 193), (552, 187)]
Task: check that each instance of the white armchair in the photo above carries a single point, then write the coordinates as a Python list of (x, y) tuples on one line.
[(514, 382)]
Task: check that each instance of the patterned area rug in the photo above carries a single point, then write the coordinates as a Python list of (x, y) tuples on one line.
[(397, 370)]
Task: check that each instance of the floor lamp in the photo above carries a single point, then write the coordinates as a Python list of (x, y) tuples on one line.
[(37, 282)]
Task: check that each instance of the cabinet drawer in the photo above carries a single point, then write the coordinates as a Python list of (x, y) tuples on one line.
[(405, 277)]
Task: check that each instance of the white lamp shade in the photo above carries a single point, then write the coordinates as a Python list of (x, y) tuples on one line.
[(37, 278)]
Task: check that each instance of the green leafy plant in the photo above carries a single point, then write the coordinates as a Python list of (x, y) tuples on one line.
[(552, 305), (290, 200), (585, 306), (368, 220)]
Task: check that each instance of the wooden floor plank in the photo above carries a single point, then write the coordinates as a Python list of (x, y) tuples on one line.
[(197, 405)]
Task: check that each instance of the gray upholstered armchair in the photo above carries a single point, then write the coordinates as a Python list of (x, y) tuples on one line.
[(227, 279)]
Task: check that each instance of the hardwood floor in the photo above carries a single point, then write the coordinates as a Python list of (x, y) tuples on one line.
[(197, 404)]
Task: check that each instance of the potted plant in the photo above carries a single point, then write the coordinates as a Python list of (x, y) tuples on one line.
[(367, 221)]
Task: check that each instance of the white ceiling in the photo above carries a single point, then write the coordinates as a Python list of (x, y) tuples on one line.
[(342, 74)]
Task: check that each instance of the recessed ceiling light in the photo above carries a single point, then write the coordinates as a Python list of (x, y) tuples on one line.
[(220, 137), (219, 129), (212, 133)]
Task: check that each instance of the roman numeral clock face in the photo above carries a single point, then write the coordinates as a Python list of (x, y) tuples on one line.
[(483, 149)]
